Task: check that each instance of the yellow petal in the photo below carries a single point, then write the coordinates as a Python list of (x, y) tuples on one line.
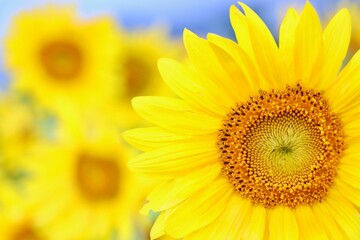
[(240, 26), (327, 221), (187, 85), (157, 229), (309, 227), (349, 192), (351, 154), (283, 224), (352, 128), (308, 45), (224, 226), (254, 227), (336, 42), (175, 191), (199, 210), (151, 138), (350, 174), (250, 71), (265, 49), (175, 115), (206, 63), (344, 213), (287, 41), (344, 95), (236, 74), (175, 160)]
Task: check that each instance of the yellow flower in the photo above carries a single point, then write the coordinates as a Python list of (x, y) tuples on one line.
[(60, 59), (142, 49), (263, 142), (82, 189), (18, 224), (355, 18), (138, 72), (18, 127)]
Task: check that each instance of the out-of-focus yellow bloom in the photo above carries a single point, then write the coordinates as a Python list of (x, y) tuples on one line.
[(19, 139), (82, 189), (137, 69), (60, 59), (9, 190), (354, 9), (18, 130), (355, 18), (142, 49), (16, 224)]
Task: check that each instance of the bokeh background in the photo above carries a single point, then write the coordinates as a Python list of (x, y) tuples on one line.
[(68, 72)]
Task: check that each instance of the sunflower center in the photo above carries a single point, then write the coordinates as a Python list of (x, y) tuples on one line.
[(97, 177), (62, 60), (137, 74), (25, 233), (281, 147)]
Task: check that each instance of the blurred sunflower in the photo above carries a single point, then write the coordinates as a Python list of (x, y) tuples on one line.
[(16, 224), (137, 69), (82, 189), (263, 143), (66, 60), (19, 129), (355, 18), (20, 137)]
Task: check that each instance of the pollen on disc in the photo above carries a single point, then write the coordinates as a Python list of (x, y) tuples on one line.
[(281, 147)]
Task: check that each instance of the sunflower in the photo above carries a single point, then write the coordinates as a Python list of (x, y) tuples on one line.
[(19, 129), (81, 189), (142, 49), (355, 18), (17, 224), (262, 142), (20, 137), (66, 61), (137, 69)]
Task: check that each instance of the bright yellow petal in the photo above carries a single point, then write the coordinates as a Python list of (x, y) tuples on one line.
[(175, 115), (243, 88), (351, 193), (344, 95), (309, 227), (223, 227), (175, 191), (344, 213), (352, 129), (283, 224), (352, 154), (327, 221), (350, 173), (287, 41), (187, 85), (265, 49), (308, 45), (199, 210), (336, 42), (254, 227), (150, 138), (240, 26), (175, 160), (250, 73), (157, 229), (206, 63)]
